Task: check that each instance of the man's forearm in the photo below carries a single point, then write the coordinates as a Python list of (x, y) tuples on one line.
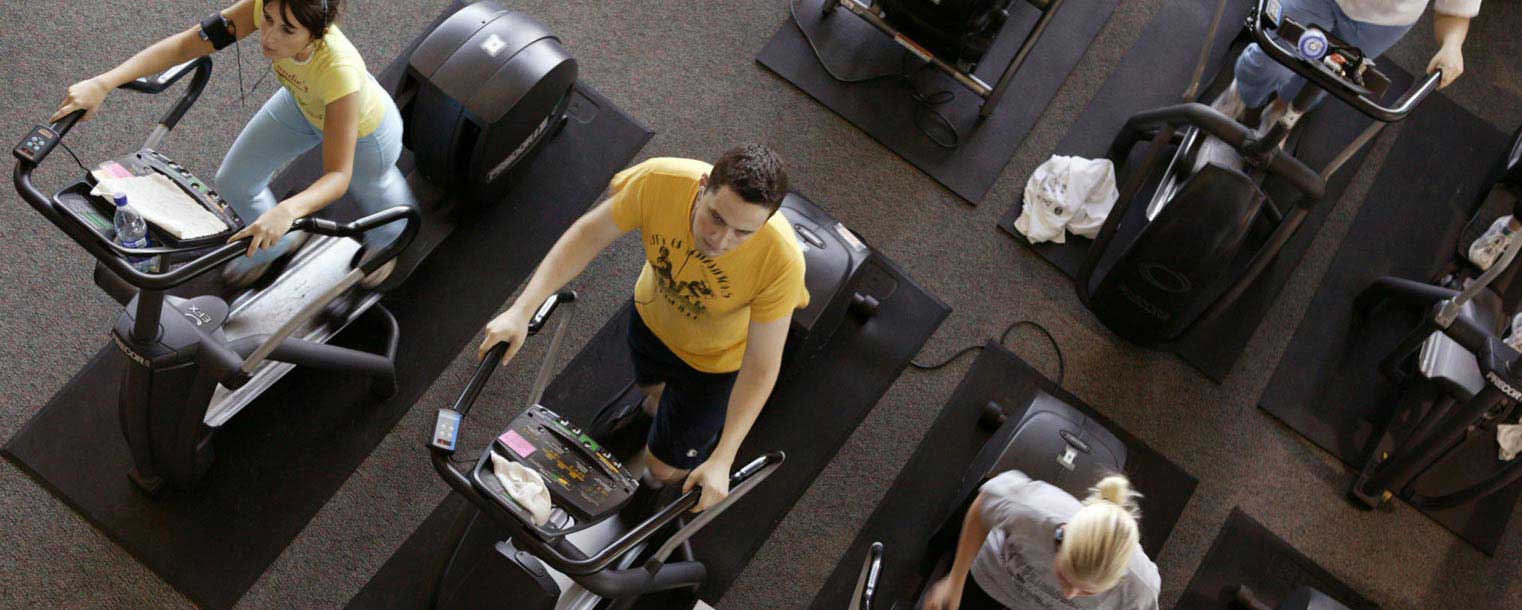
[(566, 259), (1450, 29)]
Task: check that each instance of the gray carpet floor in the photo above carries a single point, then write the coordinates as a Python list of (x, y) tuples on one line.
[(686, 70)]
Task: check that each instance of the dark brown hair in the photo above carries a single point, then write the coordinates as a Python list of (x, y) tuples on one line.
[(754, 172), (311, 14)]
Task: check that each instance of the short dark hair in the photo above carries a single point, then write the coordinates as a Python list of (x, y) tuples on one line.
[(314, 15), (754, 172)]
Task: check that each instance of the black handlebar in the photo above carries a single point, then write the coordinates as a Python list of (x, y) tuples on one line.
[(488, 364), (201, 66), (1332, 84), (358, 227)]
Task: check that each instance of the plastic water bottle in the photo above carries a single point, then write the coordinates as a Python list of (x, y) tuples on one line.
[(131, 232)]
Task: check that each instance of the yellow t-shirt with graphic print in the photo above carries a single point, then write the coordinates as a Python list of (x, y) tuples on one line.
[(701, 307), (334, 70)]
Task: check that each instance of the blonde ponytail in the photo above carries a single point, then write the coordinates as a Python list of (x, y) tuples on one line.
[(1115, 489), (1098, 541)]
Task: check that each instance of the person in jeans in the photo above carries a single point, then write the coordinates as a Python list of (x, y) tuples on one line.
[(326, 97), (723, 274)]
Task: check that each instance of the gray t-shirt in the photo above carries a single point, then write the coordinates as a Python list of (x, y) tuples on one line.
[(1015, 564)]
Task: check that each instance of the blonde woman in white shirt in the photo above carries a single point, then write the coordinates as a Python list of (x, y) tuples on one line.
[(1029, 545)]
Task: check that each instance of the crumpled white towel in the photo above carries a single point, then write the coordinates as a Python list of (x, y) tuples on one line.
[(1069, 193), (1509, 437), (524, 486)]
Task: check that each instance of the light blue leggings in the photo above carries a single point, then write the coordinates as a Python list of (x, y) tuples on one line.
[(1258, 75), (279, 133)]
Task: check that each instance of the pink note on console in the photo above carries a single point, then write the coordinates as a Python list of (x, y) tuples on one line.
[(517, 443)]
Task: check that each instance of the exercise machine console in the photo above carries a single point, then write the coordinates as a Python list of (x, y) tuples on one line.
[(584, 556)]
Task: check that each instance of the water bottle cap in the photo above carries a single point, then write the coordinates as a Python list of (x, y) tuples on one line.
[(1313, 44), (120, 199)]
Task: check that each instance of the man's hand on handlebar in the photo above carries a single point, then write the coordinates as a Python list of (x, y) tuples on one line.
[(713, 476), (85, 95), (511, 327), (1449, 59), (267, 230)]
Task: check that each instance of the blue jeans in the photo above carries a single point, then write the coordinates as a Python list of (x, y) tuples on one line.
[(279, 133), (1258, 75)]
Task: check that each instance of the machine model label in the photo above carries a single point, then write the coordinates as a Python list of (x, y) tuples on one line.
[(128, 351), (850, 237), (1144, 304), (517, 443), (200, 318), (512, 158), (1504, 387), (493, 45), (1165, 279)]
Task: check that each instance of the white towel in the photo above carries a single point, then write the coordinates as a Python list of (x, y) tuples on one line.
[(524, 486), (1067, 193), (1509, 437), (162, 203)]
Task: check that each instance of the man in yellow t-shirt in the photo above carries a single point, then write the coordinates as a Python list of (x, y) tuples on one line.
[(723, 273)]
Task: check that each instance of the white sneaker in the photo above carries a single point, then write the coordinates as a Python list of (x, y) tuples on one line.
[(1230, 102), (1489, 247)]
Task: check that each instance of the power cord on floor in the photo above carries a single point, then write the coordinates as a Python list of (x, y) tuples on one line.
[(1003, 337), (926, 103)]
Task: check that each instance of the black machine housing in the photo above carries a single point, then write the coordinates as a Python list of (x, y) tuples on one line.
[(1218, 229), (959, 31), (480, 92), (836, 261)]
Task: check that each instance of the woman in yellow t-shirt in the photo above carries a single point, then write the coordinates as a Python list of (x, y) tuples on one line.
[(326, 96)]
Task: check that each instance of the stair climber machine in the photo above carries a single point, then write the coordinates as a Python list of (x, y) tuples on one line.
[(1466, 378), (1210, 229), (482, 91), (584, 554), (1051, 441)]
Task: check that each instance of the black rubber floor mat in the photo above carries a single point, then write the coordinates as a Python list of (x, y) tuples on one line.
[(809, 417), (925, 491), (1327, 386), (1154, 73), (1246, 553), (886, 109), (281, 459)]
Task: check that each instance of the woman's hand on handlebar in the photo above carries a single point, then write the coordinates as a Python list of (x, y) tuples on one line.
[(511, 327), (1450, 59), (85, 95), (944, 594), (267, 230)]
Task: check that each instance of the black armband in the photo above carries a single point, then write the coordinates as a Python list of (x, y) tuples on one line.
[(216, 30)]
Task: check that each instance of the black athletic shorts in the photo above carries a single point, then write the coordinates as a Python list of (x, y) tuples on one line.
[(690, 418)]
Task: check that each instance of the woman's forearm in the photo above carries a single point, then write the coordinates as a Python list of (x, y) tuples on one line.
[(158, 57), (974, 531), (1450, 29), (310, 200)]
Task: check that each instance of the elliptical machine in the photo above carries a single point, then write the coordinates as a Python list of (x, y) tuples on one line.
[(481, 92), (1209, 228), (585, 555), (1460, 355)]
